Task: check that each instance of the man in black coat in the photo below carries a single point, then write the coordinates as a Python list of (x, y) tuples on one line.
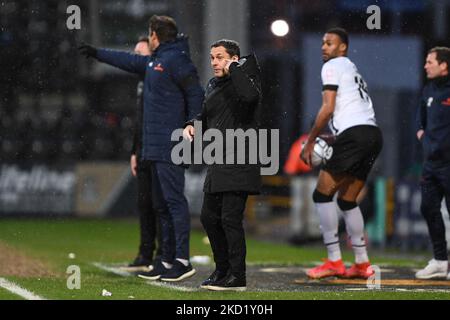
[(232, 98)]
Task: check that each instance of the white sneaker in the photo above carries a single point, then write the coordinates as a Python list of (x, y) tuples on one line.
[(434, 269)]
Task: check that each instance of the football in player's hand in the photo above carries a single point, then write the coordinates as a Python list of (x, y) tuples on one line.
[(322, 152)]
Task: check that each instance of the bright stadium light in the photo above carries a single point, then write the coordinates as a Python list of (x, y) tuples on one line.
[(280, 28)]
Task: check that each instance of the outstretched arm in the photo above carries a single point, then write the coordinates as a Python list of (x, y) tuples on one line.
[(126, 61), (121, 59)]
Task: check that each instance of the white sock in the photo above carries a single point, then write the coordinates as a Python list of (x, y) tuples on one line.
[(167, 265), (329, 224), (184, 262), (354, 224)]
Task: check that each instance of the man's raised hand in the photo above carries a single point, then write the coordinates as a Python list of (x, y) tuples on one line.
[(87, 50)]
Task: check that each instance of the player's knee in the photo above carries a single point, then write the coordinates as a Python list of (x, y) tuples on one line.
[(319, 197), (346, 205)]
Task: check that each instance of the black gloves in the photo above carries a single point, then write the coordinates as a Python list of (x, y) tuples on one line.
[(87, 50)]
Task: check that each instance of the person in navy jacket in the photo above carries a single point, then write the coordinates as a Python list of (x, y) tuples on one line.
[(433, 122), (172, 95)]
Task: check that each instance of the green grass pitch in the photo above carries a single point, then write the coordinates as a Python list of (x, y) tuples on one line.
[(112, 241)]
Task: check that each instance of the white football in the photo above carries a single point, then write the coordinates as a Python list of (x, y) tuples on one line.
[(322, 152)]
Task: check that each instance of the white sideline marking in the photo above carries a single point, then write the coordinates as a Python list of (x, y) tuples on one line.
[(14, 288), (414, 290), (424, 290), (116, 271), (170, 286), (152, 283), (293, 270)]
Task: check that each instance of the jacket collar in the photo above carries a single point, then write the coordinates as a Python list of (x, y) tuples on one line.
[(214, 86), (180, 43), (442, 81)]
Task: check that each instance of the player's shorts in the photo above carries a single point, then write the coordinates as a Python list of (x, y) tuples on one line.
[(355, 151)]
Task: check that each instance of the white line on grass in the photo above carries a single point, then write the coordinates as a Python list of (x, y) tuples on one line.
[(423, 290), (160, 284), (116, 271), (170, 286), (14, 288), (415, 290)]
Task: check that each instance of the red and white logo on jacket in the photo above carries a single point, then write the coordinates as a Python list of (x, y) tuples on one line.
[(159, 68)]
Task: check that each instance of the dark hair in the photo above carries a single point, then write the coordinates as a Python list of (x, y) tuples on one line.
[(442, 55), (143, 39), (341, 32), (231, 47), (165, 28)]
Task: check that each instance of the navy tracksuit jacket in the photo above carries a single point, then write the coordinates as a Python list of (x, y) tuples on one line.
[(433, 117)]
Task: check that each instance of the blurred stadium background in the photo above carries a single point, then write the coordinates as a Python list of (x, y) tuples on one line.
[(66, 122)]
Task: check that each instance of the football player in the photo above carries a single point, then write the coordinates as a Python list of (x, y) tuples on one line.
[(348, 110)]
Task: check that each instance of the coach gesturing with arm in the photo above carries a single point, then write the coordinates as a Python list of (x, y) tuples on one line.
[(172, 95)]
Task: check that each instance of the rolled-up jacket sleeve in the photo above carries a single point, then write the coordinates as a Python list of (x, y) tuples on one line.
[(247, 88)]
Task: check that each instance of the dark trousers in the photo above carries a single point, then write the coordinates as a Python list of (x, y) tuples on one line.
[(148, 217), (172, 209), (435, 185), (222, 216)]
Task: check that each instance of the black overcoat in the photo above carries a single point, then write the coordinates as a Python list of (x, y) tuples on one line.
[(232, 102)]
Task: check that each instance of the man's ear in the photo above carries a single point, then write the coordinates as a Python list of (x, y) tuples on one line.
[(444, 66), (235, 58), (343, 47)]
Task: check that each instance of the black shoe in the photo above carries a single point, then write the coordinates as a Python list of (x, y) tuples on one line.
[(178, 272), (214, 278), (157, 271), (141, 263), (230, 283)]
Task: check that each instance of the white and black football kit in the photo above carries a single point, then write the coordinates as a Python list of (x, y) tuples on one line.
[(359, 140)]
